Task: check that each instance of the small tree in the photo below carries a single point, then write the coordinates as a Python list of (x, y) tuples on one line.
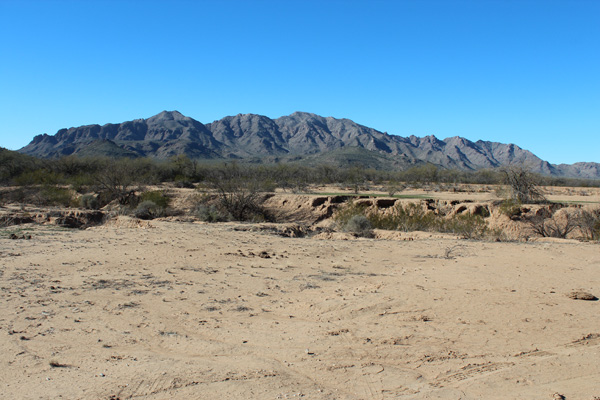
[(589, 221), (114, 180), (558, 225), (239, 195), (523, 185)]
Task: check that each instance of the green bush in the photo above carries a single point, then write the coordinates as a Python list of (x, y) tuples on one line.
[(183, 182), (511, 208), (148, 210), (39, 195), (89, 201), (465, 225), (80, 183), (410, 217), (53, 196), (40, 176), (344, 214), (157, 197), (18, 195), (210, 213), (407, 218)]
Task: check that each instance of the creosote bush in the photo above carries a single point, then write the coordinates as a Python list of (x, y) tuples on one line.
[(45, 195), (349, 210), (240, 195), (89, 201), (413, 217), (465, 225), (148, 210), (511, 208), (358, 225), (210, 213), (157, 197), (405, 217), (53, 196)]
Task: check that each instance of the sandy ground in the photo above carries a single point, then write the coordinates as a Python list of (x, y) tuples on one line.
[(173, 310)]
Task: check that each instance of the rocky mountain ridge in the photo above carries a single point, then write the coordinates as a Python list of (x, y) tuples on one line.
[(170, 133)]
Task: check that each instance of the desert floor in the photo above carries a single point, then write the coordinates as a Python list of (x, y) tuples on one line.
[(176, 310)]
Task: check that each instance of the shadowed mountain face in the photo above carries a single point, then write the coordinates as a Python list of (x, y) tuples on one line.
[(249, 135)]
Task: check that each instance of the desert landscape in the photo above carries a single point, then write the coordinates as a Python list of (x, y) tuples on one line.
[(328, 200), (177, 308)]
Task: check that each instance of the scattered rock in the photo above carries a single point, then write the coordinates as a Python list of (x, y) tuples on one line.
[(264, 254), (579, 295), (14, 236), (10, 220), (56, 364)]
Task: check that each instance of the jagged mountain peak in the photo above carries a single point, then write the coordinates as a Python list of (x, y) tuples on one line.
[(243, 117), (303, 115), (456, 140), (171, 133), (167, 116)]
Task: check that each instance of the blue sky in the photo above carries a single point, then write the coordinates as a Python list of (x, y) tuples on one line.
[(523, 72)]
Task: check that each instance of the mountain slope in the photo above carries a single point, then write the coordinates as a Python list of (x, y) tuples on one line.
[(161, 136), (170, 133)]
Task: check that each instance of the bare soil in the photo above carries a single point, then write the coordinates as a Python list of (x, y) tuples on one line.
[(176, 309)]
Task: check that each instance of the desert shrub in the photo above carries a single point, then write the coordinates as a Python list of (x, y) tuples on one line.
[(589, 222), (114, 179), (239, 195), (404, 217), (243, 204), (18, 195), (557, 225), (359, 225), (393, 188), (46, 195), (183, 182), (482, 211), (42, 176), (511, 208), (412, 217), (81, 182), (408, 217), (157, 197), (210, 213), (465, 225), (148, 210), (53, 196), (523, 185), (89, 201), (350, 210)]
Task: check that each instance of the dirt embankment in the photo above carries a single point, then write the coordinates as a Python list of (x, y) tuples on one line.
[(187, 310), (299, 214)]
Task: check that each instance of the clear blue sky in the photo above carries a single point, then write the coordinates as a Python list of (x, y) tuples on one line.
[(524, 72)]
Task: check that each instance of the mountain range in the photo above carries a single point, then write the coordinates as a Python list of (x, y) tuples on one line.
[(299, 135)]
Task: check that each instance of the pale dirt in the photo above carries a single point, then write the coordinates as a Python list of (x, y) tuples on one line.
[(174, 309), (179, 310)]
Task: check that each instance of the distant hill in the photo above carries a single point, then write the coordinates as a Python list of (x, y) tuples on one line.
[(304, 135)]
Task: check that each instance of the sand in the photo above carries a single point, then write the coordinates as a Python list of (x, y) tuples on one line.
[(176, 310)]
